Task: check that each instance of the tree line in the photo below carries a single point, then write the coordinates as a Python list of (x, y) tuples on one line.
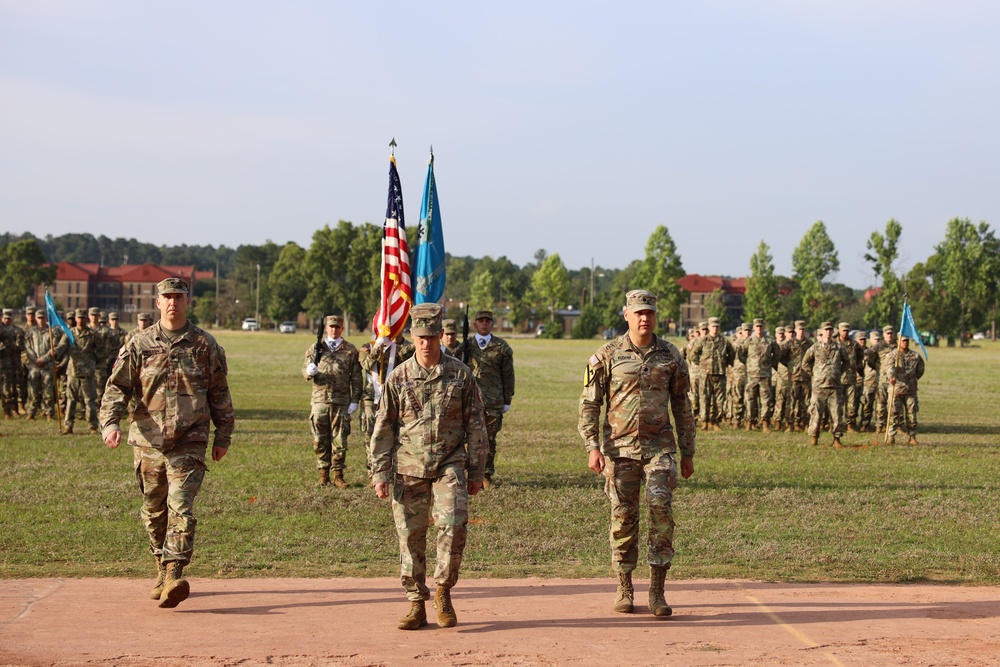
[(953, 292)]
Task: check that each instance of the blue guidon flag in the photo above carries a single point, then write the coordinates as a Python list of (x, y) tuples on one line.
[(55, 320), (429, 268), (908, 328)]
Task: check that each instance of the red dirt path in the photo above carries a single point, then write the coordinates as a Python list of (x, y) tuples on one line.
[(502, 622)]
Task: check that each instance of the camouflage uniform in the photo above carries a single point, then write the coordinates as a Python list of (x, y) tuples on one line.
[(695, 370), (366, 417), (335, 386), (83, 361), (825, 362), (760, 359), (738, 379), (850, 398), (11, 369), (180, 388), (105, 356), (782, 381), (713, 353), (493, 366), (869, 385), (882, 351), (906, 367), (429, 442), (801, 385), (114, 337), (40, 357), (455, 349)]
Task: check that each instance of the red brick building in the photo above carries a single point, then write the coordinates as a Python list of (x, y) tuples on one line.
[(699, 288)]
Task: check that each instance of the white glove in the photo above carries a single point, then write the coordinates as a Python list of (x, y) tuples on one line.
[(352, 408), (506, 408), (379, 343), (312, 370)]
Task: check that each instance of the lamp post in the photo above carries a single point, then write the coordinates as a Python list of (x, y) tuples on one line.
[(258, 297)]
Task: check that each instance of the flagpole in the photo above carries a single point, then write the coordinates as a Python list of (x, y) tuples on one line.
[(892, 386)]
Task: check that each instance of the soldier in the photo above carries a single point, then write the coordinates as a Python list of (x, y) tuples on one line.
[(84, 357), (825, 362), (115, 337), (738, 383), (849, 379), (24, 388), (449, 338), (62, 362), (906, 367), (694, 369), (429, 448), (177, 374), (869, 383), (761, 360), (98, 324), (143, 322), (492, 362), (782, 380), (801, 385), (714, 353), (634, 377), (41, 357), (882, 352), (335, 374), (11, 342)]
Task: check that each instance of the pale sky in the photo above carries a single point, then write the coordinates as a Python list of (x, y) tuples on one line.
[(576, 127)]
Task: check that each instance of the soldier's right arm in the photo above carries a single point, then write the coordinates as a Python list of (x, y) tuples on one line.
[(384, 435), (119, 390), (592, 401)]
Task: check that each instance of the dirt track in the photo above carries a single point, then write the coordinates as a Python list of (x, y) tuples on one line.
[(292, 622)]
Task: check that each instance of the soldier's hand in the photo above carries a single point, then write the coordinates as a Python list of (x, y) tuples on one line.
[(113, 439), (596, 461), (218, 452), (687, 467), (382, 489), (506, 409), (352, 408), (312, 370)]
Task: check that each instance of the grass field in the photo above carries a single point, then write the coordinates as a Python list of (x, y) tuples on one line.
[(759, 506)]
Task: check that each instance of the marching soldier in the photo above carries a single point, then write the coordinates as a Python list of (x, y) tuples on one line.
[(906, 367), (714, 353), (825, 362)]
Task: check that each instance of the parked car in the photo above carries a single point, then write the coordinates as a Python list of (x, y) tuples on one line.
[(250, 324), (979, 336), (608, 334), (286, 327)]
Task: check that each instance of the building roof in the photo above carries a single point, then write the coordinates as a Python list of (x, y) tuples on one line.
[(131, 273), (697, 284)]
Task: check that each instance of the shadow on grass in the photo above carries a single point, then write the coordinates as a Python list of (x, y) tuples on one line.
[(960, 429), (273, 415), (553, 480)]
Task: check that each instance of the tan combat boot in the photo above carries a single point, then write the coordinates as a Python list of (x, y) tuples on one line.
[(704, 426), (836, 443), (324, 477), (487, 481), (67, 430), (813, 440), (891, 440), (161, 577), (446, 612), (175, 587), (766, 427), (338, 479), (415, 618), (913, 440), (657, 604), (626, 594), (716, 427)]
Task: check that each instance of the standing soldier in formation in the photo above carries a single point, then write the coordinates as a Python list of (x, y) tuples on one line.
[(492, 362), (99, 331), (449, 338), (84, 357), (714, 353), (882, 351), (429, 450), (869, 384), (638, 379), (801, 386), (41, 359), (761, 360), (24, 387), (144, 320), (906, 367), (782, 381), (366, 414), (11, 346), (177, 374), (695, 370), (825, 362), (849, 377), (336, 393), (738, 381), (115, 337)]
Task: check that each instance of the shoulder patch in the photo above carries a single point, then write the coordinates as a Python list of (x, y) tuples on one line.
[(594, 361)]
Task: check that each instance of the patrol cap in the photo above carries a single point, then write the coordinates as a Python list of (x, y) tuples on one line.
[(30, 310), (480, 315), (334, 320), (826, 325), (861, 335), (876, 336), (41, 313), (171, 286), (887, 329), (80, 312), (102, 316), (639, 299), (449, 326), (844, 326), (70, 315), (113, 315), (745, 326), (713, 322), (425, 319), (145, 317), (703, 326), (904, 339), (93, 310), (800, 324), (758, 321), (778, 330), (8, 312)]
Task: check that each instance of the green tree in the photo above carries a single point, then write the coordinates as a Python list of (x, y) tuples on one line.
[(659, 273), (813, 260), (883, 251), (287, 283), (715, 304), (21, 268), (587, 324), (342, 271), (967, 268), (761, 299), (551, 283), (484, 286)]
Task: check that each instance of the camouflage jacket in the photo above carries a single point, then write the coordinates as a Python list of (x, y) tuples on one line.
[(693, 369), (871, 371), (114, 339), (180, 388), (339, 379), (38, 345), (796, 353), (639, 390), (825, 362), (856, 361), (761, 356), (83, 352), (493, 367), (780, 352), (882, 351), (428, 419), (906, 367), (370, 362), (11, 345), (713, 354)]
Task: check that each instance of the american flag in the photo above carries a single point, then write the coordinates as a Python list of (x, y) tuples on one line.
[(397, 294)]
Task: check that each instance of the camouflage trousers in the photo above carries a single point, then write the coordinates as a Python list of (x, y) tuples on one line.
[(330, 425), (695, 394), (366, 420), (826, 402), (81, 390), (737, 399), (623, 478), (42, 396), (713, 395), (169, 482), (868, 396), (101, 376), (852, 400), (8, 389), (781, 396), (494, 422), (414, 502), (904, 414), (798, 412), (881, 404), (759, 399)]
